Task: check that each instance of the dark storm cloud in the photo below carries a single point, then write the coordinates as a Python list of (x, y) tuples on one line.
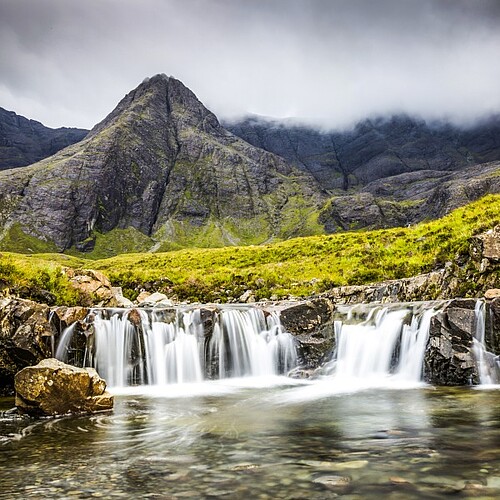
[(327, 62)]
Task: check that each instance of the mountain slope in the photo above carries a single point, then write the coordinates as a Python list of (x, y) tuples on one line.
[(162, 165), (24, 141), (374, 149), (387, 172)]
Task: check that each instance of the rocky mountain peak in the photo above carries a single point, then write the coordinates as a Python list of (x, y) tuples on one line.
[(160, 98), (159, 164)]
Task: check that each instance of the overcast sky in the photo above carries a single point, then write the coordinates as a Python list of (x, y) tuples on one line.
[(327, 62)]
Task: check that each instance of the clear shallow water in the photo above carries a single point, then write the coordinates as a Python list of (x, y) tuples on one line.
[(273, 440)]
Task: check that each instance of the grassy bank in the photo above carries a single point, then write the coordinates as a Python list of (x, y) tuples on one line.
[(298, 267)]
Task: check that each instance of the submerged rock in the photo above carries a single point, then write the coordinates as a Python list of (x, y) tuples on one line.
[(54, 388)]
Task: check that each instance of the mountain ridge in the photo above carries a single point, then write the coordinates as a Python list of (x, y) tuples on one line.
[(160, 172), (373, 148), (24, 141)]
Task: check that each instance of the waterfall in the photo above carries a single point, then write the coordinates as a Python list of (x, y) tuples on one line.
[(387, 342), (158, 347), (488, 365), (374, 344), (244, 342)]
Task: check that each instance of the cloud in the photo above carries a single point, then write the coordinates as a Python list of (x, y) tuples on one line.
[(327, 62)]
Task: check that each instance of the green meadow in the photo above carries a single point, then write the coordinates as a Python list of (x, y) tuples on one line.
[(297, 267)]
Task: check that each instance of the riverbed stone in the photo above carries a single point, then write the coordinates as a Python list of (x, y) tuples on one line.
[(54, 388)]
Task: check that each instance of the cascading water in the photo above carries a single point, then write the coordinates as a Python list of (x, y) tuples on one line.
[(375, 345), (488, 365), (388, 342), (240, 351), (158, 347)]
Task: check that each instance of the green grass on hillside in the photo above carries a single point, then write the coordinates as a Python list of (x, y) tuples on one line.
[(300, 267)]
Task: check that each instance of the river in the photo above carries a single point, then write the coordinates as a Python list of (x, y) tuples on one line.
[(262, 438)]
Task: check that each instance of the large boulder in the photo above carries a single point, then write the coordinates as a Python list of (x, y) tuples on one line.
[(311, 323), (449, 359), (26, 337), (53, 388)]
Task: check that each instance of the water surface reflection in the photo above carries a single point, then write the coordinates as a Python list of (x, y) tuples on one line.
[(230, 441)]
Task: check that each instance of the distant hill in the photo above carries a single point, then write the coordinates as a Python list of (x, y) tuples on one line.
[(23, 141)]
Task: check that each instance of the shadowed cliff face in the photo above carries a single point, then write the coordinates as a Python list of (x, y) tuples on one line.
[(374, 149), (24, 141), (387, 172), (161, 164)]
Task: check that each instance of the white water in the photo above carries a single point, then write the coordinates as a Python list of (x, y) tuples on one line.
[(157, 352), (244, 342), (376, 346), (388, 343), (488, 365)]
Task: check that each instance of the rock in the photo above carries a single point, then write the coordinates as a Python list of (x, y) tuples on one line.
[(26, 337), (53, 388), (311, 323), (93, 284), (491, 244), (156, 299), (65, 316), (134, 316), (247, 297), (362, 210), (142, 297), (492, 323), (492, 293), (333, 482), (118, 299), (449, 359)]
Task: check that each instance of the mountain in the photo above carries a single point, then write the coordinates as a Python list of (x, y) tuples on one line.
[(387, 172), (159, 170), (24, 141), (374, 149)]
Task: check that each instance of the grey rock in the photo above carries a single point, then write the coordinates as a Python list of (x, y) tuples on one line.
[(24, 141), (311, 323), (449, 359)]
